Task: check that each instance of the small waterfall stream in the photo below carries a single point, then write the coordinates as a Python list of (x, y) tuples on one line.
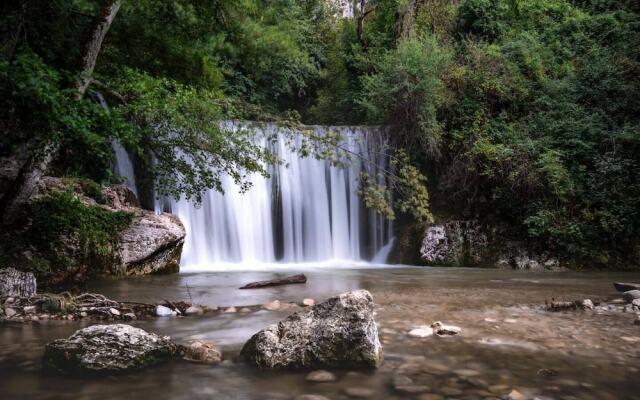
[(308, 211)]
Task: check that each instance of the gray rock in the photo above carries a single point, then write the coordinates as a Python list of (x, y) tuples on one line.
[(625, 287), (338, 333), (631, 295), (9, 312), (29, 309), (104, 349), (14, 283)]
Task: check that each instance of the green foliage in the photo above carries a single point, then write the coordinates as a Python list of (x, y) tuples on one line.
[(61, 219)]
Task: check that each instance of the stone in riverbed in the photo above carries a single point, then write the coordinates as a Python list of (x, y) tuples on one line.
[(631, 295), (194, 310), (338, 333), (421, 331), (320, 376), (625, 287), (104, 349), (359, 392), (29, 309), (162, 311), (442, 330), (201, 351)]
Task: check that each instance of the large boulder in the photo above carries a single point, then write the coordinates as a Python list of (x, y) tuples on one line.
[(14, 283), (338, 333), (151, 244), (455, 243), (106, 349)]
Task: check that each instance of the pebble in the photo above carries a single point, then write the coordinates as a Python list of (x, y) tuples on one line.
[(9, 300), (311, 397), (114, 312), (129, 316), (308, 302), (230, 310), (430, 396), (162, 311), (443, 330), (631, 295), (194, 310), (45, 316), (515, 395), (245, 310), (359, 392), (320, 376), (467, 373), (421, 331), (274, 305), (587, 304), (511, 320), (451, 391), (201, 351), (84, 314), (29, 309), (10, 312)]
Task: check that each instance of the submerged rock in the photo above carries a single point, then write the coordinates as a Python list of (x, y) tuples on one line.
[(443, 330), (201, 351), (421, 331), (107, 349), (320, 376), (338, 333), (14, 283)]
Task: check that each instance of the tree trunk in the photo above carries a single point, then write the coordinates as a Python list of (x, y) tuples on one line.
[(405, 21), (361, 14), (39, 163), (94, 44)]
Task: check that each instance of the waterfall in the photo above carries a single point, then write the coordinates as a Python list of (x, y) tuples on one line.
[(122, 167), (307, 211)]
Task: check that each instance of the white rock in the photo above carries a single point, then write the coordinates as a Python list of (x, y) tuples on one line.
[(162, 311), (587, 304), (114, 312), (308, 302), (194, 310), (29, 309), (230, 310), (274, 305), (421, 331)]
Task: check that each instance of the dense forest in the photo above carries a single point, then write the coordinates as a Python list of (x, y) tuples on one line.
[(525, 112)]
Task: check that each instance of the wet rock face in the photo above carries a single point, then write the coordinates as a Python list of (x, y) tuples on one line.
[(455, 243), (338, 333), (105, 349), (14, 283)]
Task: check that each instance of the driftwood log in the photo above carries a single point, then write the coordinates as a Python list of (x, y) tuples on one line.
[(625, 287), (14, 283), (289, 280)]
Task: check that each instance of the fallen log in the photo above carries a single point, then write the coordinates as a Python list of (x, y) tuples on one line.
[(625, 287), (289, 280)]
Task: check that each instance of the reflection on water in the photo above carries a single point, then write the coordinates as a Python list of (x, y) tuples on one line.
[(505, 341)]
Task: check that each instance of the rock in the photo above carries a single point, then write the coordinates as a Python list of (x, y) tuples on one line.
[(84, 314), (311, 397), (631, 295), (274, 305), (430, 396), (320, 376), (587, 304), (230, 310), (308, 302), (444, 244), (338, 333), (194, 310), (515, 395), (288, 280), (442, 330), (162, 311), (359, 392), (451, 391), (625, 287), (104, 349), (151, 244), (14, 283), (201, 351), (635, 302), (516, 255), (129, 316), (29, 309), (421, 331), (116, 313)]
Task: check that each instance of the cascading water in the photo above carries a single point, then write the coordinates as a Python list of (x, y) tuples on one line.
[(307, 211)]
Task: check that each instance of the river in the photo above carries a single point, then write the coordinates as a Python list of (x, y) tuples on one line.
[(506, 343)]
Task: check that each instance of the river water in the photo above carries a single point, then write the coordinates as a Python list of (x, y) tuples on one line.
[(506, 342)]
